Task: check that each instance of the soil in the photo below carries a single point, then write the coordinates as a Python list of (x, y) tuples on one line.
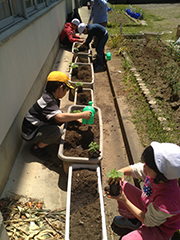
[(83, 98), (81, 49), (159, 68), (79, 136), (83, 73), (85, 218), (82, 59)]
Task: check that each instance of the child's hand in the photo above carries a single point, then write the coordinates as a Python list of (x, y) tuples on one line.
[(79, 120), (121, 197)]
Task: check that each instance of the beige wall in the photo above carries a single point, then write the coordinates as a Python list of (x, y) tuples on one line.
[(26, 58)]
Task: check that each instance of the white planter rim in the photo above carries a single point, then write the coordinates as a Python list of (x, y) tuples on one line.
[(80, 53), (84, 89), (82, 159), (85, 84), (68, 204)]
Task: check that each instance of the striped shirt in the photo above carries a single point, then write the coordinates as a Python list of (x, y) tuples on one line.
[(41, 113)]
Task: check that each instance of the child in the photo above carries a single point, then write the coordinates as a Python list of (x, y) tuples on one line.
[(154, 212), (68, 34), (41, 124)]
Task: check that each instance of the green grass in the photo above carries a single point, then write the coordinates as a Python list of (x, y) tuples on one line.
[(155, 23)]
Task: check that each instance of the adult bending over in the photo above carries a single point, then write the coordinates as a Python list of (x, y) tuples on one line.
[(102, 35)]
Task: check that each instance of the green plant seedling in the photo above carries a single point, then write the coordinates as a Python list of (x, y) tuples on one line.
[(76, 111), (114, 176), (79, 84), (76, 49), (93, 147), (73, 66)]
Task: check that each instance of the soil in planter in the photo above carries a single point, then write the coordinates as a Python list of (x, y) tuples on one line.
[(82, 60), (85, 219), (81, 49), (79, 136), (82, 73), (83, 98)]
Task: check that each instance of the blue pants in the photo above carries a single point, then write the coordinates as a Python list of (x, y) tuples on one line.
[(100, 49)]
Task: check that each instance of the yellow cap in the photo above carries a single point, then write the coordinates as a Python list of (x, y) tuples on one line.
[(59, 77)]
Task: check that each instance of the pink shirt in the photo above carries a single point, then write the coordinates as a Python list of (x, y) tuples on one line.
[(166, 198)]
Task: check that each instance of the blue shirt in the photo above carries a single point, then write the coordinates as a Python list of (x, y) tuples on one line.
[(98, 11), (95, 30)]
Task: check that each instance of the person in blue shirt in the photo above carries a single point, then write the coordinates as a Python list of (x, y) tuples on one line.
[(102, 35), (98, 12), (98, 15)]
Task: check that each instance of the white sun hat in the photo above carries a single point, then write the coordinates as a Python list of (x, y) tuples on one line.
[(75, 21), (167, 159), (81, 28)]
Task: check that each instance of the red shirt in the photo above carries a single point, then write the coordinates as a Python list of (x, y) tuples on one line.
[(67, 32)]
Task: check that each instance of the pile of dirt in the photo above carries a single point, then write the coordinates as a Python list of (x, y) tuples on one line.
[(159, 68)]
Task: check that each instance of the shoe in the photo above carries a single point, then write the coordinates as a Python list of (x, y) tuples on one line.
[(99, 69), (40, 153), (124, 222)]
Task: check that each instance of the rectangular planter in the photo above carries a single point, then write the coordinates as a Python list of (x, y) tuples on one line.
[(80, 203), (82, 59), (75, 44), (86, 84), (74, 159), (89, 90)]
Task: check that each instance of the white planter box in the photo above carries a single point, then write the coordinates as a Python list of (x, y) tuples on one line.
[(84, 90), (82, 59), (85, 84), (72, 159), (68, 204), (75, 44)]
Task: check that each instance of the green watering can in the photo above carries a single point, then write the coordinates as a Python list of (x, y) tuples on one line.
[(89, 108)]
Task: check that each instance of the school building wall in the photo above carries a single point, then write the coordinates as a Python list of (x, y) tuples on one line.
[(27, 53)]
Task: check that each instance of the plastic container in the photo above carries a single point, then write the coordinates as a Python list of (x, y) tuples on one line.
[(68, 204), (82, 59), (89, 108), (73, 159), (108, 56), (85, 84), (84, 90), (80, 53)]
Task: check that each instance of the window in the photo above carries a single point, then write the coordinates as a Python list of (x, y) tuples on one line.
[(13, 11)]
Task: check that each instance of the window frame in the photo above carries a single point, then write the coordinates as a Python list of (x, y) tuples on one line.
[(22, 12)]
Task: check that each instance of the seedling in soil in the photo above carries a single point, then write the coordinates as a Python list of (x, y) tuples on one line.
[(76, 49), (79, 87), (93, 150), (93, 147), (73, 66), (114, 177), (76, 111)]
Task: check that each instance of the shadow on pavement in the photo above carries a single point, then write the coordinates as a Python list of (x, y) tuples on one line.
[(55, 164)]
